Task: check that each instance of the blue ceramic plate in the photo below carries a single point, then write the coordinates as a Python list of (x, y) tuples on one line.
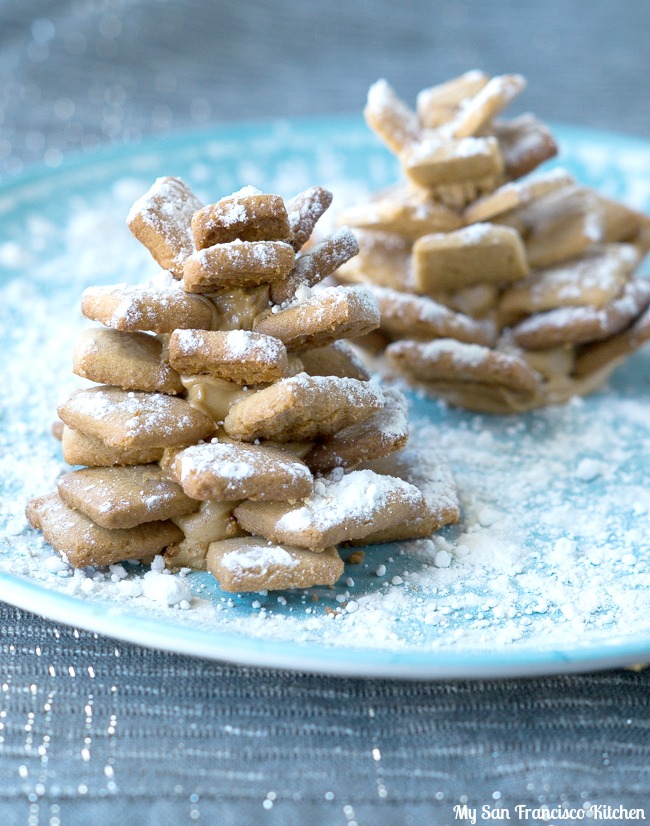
[(549, 570)]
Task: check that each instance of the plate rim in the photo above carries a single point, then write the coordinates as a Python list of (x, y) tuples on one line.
[(316, 658)]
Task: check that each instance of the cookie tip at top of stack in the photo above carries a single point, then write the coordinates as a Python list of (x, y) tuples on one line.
[(472, 249), (231, 425)]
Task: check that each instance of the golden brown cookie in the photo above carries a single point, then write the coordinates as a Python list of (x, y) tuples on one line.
[(451, 360), (237, 264), (226, 471), (132, 419), (436, 161), (382, 433), (424, 466), (302, 408), (238, 356), (478, 254), (160, 220), (342, 509), (123, 497), (516, 194), (488, 102), (525, 142), (404, 211), (440, 104), (579, 325), (303, 212), (387, 115), (328, 315), (594, 279), (249, 215), (252, 564), (82, 543), (598, 355), (80, 449), (132, 361), (469, 375), (317, 263), (336, 359), (565, 223), (147, 308), (404, 315)]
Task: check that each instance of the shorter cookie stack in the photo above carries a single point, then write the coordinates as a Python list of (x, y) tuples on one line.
[(231, 426), (498, 291)]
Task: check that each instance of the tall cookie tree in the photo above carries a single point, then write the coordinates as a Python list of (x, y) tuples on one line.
[(232, 426)]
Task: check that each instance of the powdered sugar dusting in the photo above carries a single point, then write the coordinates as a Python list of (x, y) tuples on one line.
[(242, 344), (259, 557), (236, 461), (160, 586), (359, 392), (238, 345), (462, 355), (475, 233), (396, 306), (604, 271), (609, 319), (358, 497)]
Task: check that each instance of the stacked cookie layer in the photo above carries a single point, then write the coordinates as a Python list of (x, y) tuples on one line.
[(499, 290), (231, 426)]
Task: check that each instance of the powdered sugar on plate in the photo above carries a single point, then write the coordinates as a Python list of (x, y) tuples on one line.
[(553, 548)]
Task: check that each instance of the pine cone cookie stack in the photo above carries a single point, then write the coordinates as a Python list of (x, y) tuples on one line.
[(231, 426), (498, 291)]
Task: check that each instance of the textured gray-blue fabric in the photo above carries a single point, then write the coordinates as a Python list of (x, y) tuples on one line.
[(127, 735), (94, 731)]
